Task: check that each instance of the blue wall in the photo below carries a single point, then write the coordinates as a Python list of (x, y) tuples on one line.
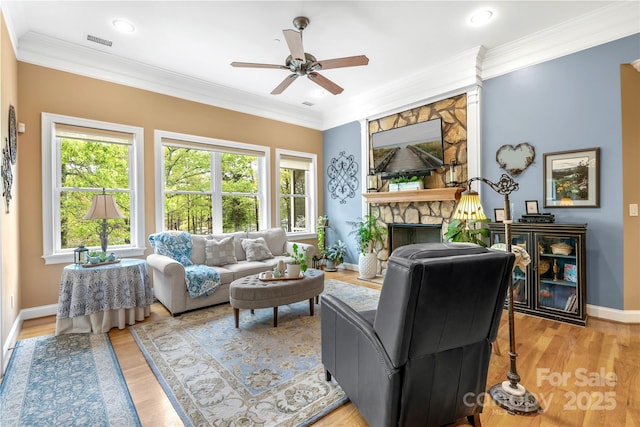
[(339, 143), (568, 103)]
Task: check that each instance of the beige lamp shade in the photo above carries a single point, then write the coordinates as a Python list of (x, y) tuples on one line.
[(103, 206), (469, 207)]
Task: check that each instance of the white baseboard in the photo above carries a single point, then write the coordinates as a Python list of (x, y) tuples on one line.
[(12, 337), (622, 316)]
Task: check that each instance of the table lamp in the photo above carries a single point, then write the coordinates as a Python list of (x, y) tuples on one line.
[(104, 207), (510, 395)]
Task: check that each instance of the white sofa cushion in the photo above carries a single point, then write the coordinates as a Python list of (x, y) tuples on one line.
[(218, 253), (276, 239), (256, 249), (237, 236)]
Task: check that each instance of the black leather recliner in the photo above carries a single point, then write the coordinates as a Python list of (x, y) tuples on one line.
[(421, 358)]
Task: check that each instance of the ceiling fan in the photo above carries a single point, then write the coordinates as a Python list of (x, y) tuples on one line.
[(301, 63)]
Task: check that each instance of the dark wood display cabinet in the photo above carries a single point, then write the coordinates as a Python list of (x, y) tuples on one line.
[(554, 284)]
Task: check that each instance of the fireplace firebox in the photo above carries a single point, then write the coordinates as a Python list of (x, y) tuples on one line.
[(408, 234)]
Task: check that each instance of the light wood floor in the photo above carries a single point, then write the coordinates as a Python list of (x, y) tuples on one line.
[(547, 350)]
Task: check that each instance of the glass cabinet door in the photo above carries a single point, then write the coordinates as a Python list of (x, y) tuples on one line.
[(520, 283), (557, 270)]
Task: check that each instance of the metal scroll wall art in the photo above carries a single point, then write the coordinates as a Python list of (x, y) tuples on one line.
[(7, 174), (343, 177)]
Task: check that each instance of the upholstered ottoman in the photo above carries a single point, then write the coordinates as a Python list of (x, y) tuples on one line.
[(250, 293)]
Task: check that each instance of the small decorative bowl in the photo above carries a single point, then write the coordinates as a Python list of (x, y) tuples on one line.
[(561, 248)]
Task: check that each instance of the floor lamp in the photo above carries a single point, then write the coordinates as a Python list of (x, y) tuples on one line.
[(510, 395)]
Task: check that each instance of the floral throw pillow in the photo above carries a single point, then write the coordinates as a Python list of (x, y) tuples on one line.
[(174, 245), (222, 252), (256, 249)]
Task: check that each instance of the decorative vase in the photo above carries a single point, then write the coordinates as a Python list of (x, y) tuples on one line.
[(293, 270), (368, 265)]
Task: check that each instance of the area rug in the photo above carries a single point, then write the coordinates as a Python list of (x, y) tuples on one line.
[(217, 375), (69, 380)]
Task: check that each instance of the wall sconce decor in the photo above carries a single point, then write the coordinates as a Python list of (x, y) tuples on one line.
[(452, 173)]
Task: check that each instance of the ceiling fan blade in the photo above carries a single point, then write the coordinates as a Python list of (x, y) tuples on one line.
[(255, 65), (349, 61), (324, 82), (294, 40), (285, 84)]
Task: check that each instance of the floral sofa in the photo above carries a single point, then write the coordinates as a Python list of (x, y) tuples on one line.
[(193, 271)]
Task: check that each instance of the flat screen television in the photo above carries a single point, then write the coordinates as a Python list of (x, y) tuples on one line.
[(413, 150)]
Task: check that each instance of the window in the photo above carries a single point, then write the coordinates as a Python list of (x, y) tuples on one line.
[(297, 191), (81, 158), (210, 186)]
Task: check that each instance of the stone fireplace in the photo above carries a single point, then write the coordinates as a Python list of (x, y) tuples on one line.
[(416, 221), (434, 206)]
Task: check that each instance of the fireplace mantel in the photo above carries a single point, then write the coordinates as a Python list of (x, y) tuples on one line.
[(428, 195)]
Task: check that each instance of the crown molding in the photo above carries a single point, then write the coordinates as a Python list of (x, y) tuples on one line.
[(455, 75), (451, 76), (53, 53), (606, 24)]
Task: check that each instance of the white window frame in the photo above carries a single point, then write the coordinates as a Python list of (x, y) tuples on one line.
[(311, 190), (264, 216), (51, 158)]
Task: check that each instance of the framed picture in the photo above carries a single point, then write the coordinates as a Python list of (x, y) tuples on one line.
[(532, 207), (572, 179), (499, 213)]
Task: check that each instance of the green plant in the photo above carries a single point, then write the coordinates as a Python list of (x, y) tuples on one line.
[(402, 179), (336, 252), (367, 233), (101, 255), (458, 231), (320, 231), (299, 256)]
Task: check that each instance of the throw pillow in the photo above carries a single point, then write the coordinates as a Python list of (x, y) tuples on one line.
[(256, 249), (218, 253), (174, 245)]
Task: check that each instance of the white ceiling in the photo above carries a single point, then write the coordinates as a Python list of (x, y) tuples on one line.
[(184, 48)]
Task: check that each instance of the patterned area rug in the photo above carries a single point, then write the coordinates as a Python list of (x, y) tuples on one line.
[(217, 375), (69, 380)]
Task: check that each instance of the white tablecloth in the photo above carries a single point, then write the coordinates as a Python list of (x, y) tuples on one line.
[(96, 299)]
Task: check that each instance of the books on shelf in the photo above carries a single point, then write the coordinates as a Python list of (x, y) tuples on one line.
[(572, 303)]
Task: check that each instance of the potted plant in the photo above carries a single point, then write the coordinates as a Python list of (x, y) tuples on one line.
[(368, 232), (402, 183), (321, 225), (473, 232), (335, 255), (298, 263)]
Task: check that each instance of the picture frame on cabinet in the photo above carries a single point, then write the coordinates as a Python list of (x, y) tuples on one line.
[(499, 214), (531, 207), (572, 179)]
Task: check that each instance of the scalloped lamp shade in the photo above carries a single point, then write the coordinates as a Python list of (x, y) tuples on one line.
[(469, 207)]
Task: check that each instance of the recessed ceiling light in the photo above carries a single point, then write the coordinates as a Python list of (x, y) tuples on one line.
[(123, 26), (317, 93), (481, 17)]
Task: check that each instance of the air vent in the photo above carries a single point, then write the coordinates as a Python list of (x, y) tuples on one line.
[(308, 104), (99, 40)]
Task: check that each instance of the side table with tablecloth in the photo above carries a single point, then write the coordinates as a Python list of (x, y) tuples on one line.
[(96, 299)]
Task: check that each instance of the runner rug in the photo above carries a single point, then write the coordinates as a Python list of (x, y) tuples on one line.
[(66, 380), (217, 375)]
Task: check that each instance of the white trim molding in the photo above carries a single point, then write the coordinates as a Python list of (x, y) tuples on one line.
[(613, 314)]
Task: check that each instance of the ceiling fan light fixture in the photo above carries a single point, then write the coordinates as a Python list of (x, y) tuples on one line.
[(481, 17)]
